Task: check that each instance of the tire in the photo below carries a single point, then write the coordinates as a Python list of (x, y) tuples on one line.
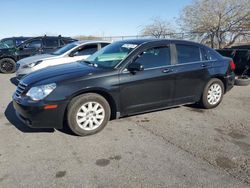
[(7, 65), (80, 114), (212, 94), (242, 82)]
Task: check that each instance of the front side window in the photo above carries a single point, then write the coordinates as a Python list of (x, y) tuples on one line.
[(155, 57), (20, 41), (64, 49), (34, 44), (111, 55), (187, 53), (86, 50)]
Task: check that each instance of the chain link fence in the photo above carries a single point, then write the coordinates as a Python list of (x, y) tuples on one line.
[(196, 37)]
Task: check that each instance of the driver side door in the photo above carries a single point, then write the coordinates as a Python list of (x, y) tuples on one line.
[(151, 88)]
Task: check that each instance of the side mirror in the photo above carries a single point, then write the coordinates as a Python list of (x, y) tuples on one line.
[(135, 67), (72, 54)]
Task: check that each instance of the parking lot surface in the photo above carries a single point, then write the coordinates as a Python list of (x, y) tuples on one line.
[(179, 147)]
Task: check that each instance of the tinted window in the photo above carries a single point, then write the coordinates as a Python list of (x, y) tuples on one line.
[(20, 41), (51, 42), (187, 53), (68, 40), (155, 57), (212, 55), (64, 49), (204, 54), (104, 44), (9, 43), (86, 50), (34, 44)]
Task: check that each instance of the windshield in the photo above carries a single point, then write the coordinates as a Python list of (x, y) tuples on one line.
[(64, 49), (112, 54), (2, 45), (6, 44)]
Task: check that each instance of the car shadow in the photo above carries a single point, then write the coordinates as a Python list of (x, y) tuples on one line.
[(14, 81), (14, 120), (11, 116)]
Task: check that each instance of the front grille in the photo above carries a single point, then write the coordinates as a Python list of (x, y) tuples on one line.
[(20, 89)]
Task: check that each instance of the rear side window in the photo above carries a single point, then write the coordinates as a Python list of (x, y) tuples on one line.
[(155, 57), (104, 44), (187, 53), (204, 55), (51, 42), (69, 40), (212, 55)]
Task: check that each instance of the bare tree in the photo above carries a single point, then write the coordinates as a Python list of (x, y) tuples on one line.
[(219, 22), (158, 28)]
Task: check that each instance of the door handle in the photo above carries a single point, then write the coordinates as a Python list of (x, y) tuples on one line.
[(167, 70), (204, 65)]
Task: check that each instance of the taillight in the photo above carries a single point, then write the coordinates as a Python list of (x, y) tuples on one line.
[(232, 65)]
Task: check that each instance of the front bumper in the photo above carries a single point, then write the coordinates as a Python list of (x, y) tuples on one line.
[(34, 115), (229, 81)]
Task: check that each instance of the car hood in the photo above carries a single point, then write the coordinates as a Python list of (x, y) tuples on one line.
[(61, 73), (36, 58)]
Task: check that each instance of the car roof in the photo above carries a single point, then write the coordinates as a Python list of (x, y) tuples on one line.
[(151, 40), (90, 42)]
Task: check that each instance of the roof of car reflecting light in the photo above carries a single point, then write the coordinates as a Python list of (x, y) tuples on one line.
[(149, 40), (89, 42)]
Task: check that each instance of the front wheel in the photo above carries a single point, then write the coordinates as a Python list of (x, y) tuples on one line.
[(7, 65), (88, 114), (212, 94)]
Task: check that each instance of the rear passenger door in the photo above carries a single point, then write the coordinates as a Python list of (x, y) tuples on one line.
[(191, 73)]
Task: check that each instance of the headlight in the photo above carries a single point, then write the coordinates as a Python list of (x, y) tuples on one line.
[(30, 65), (40, 92)]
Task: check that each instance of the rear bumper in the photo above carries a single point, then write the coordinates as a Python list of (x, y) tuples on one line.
[(229, 81), (35, 116)]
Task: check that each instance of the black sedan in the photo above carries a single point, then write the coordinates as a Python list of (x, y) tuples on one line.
[(124, 78)]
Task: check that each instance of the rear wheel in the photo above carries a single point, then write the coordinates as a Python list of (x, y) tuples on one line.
[(7, 65), (212, 94), (88, 114)]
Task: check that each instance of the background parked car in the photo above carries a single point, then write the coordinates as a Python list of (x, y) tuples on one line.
[(241, 58), (72, 52), (12, 42), (33, 46)]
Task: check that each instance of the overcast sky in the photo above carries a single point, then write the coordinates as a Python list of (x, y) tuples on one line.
[(83, 17)]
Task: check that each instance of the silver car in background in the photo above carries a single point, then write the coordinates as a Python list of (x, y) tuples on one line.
[(72, 52)]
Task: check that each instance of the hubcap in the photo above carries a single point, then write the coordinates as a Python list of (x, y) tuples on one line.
[(90, 116), (7, 66), (214, 94)]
